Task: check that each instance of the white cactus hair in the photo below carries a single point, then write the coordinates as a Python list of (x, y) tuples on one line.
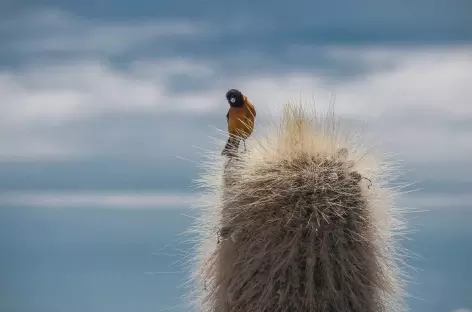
[(305, 220)]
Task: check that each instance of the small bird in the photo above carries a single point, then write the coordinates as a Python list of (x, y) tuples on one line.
[(240, 119)]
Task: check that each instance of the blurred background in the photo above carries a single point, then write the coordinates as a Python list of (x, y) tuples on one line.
[(107, 105)]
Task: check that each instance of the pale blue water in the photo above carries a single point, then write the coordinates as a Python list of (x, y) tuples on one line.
[(95, 260)]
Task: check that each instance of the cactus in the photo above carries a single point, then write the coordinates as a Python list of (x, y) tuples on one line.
[(302, 221)]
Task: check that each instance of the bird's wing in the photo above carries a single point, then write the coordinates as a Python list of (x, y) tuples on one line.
[(251, 108)]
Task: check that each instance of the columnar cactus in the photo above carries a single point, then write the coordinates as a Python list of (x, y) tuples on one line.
[(302, 221)]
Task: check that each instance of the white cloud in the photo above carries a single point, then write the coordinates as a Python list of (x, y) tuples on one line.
[(411, 108), (412, 98), (463, 310), (159, 200), (78, 199), (427, 81), (27, 145), (58, 93), (58, 31), (428, 201)]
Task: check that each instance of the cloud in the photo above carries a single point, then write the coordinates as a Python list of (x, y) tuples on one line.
[(48, 30), (170, 199), (64, 91), (463, 310), (434, 201), (94, 200), (246, 38), (417, 105), (439, 77), (91, 107)]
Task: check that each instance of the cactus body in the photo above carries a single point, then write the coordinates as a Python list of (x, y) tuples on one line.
[(304, 221)]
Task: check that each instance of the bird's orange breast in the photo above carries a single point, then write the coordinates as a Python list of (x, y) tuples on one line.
[(241, 120)]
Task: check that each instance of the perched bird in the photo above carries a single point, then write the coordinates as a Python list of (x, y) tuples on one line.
[(240, 119)]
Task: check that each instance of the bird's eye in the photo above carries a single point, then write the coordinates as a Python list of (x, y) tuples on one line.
[(233, 100)]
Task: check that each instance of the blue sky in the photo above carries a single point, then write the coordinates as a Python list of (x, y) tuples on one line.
[(104, 95)]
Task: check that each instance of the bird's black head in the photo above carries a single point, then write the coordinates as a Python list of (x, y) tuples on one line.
[(235, 98)]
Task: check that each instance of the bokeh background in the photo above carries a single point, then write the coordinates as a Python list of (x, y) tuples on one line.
[(106, 106)]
